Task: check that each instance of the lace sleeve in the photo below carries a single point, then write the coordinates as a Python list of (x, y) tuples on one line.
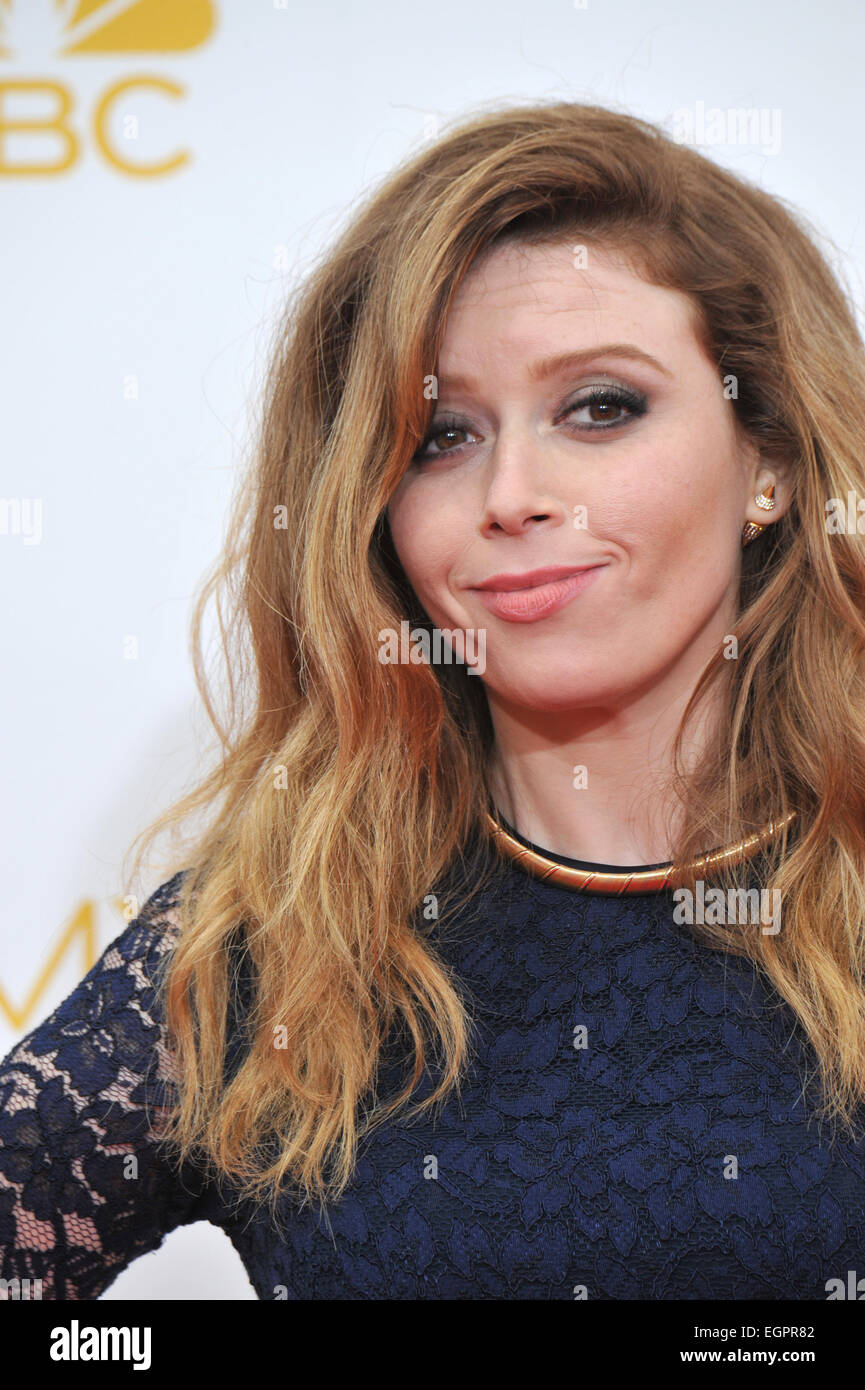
[(83, 1188)]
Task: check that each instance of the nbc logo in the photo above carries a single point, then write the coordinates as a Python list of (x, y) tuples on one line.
[(42, 130)]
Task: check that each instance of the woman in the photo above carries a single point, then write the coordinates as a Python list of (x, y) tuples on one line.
[(544, 829)]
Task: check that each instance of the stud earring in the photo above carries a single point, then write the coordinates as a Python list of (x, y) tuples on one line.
[(764, 500)]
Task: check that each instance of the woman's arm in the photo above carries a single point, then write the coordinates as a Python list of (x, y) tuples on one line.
[(83, 1188)]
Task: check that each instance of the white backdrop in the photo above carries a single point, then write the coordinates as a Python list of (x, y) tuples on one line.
[(136, 309)]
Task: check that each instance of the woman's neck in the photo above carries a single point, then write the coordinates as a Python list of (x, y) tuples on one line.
[(594, 785)]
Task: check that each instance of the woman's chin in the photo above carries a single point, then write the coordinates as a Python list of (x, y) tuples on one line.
[(551, 694)]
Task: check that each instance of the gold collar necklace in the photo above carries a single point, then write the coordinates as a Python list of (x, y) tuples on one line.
[(653, 880)]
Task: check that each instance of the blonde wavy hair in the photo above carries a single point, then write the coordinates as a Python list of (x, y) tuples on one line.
[(347, 789)]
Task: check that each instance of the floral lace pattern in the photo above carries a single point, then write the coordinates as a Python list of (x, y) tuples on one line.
[(81, 1190), (632, 1125)]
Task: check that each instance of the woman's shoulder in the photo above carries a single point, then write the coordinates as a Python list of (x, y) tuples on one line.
[(122, 984), (152, 933), (110, 1020), (157, 924)]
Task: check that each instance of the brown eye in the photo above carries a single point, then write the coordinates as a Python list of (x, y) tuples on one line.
[(605, 405), (600, 410), (447, 436)]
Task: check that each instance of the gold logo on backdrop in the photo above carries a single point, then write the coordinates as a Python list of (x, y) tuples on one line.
[(80, 931), (34, 30), (107, 26)]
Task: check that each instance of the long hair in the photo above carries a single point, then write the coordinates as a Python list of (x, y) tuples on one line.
[(347, 787)]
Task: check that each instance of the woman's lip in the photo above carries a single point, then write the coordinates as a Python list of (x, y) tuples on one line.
[(529, 605), (530, 579)]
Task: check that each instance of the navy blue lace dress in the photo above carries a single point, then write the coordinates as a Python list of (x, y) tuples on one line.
[(632, 1127)]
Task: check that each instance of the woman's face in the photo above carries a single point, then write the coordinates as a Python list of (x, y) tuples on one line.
[(521, 472)]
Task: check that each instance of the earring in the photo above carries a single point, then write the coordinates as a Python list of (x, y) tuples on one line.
[(764, 500)]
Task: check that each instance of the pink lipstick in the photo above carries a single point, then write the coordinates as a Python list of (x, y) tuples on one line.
[(535, 594)]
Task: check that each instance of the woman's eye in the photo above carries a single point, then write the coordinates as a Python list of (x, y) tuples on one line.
[(607, 407), (446, 436)]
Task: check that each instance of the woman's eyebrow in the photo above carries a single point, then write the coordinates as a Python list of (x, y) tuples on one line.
[(567, 361), (563, 361)]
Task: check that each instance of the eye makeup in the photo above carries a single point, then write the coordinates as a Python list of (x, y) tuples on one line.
[(609, 396)]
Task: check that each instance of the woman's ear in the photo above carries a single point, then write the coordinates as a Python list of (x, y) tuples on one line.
[(769, 476)]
